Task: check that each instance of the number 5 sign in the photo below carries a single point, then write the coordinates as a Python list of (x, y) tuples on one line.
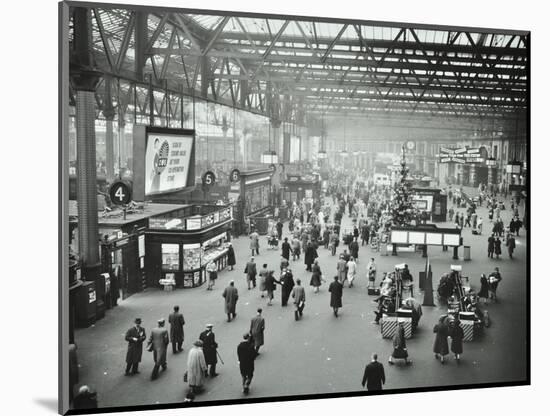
[(120, 193), (209, 178)]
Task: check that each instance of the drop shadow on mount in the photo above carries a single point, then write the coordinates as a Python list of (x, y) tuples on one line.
[(47, 403)]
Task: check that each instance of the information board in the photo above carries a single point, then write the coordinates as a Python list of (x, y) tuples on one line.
[(399, 237), (416, 238)]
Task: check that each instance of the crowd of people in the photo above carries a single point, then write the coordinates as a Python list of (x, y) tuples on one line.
[(315, 229)]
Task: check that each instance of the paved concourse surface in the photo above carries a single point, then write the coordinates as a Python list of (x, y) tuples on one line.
[(320, 353)]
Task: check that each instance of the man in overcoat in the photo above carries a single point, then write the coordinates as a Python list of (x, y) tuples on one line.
[(255, 243), (336, 290), (257, 327), (135, 337), (250, 271), (270, 286), (287, 283), (285, 249), (247, 354), (279, 229), (341, 268), (176, 321), (231, 295), (354, 249), (299, 296), (374, 376), (209, 348), (158, 342)]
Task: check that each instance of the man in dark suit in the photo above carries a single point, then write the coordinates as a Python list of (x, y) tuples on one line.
[(247, 354), (135, 337), (279, 229), (286, 249), (374, 375), (158, 343), (209, 348), (176, 321)]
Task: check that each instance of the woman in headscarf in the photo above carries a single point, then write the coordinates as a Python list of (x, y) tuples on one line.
[(316, 276), (484, 290), (457, 334), (196, 367), (441, 346), (399, 345), (230, 256)]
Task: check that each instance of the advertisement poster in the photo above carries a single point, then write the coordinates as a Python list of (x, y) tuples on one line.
[(167, 160)]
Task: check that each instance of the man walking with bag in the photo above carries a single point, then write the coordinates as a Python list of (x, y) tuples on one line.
[(299, 296)]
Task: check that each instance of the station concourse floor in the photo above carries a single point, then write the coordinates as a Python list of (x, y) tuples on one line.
[(320, 353)]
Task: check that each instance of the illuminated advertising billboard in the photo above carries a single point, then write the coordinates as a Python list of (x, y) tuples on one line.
[(168, 159)]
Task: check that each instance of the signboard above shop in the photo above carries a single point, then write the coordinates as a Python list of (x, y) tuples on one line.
[(461, 155)]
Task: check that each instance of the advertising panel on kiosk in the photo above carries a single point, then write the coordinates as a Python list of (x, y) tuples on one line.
[(169, 160)]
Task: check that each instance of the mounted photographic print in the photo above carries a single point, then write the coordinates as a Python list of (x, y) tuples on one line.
[(387, 253)]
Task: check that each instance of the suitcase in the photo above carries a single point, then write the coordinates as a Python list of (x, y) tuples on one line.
[(373, 292), (474, 232)]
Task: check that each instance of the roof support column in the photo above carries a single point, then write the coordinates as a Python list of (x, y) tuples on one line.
[(275, 139), (109, 113), (305, 143), (84, 80), (205, 75), (140, 37), (243, 91)]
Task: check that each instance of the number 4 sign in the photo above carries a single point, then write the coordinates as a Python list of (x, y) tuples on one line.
[(120, 193)]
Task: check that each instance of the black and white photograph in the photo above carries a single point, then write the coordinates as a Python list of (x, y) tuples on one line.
[(261, 207)]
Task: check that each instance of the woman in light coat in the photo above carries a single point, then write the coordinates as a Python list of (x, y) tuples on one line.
[(196, 367), (352, 270)]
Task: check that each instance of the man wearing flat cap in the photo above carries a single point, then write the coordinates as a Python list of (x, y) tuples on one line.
[(209, 346), (158, 343), (135, 337)]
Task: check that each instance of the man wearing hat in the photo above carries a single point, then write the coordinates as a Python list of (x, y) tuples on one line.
[(231, 295), (257, 327), (247, 354), (176, 321), (250, 271), (209, 346), (158, 343), (135, 337)]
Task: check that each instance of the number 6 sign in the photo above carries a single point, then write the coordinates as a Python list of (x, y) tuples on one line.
[(120, 193), (235, 175)]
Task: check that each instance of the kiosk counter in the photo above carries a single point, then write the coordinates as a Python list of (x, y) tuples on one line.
[(179, 246)]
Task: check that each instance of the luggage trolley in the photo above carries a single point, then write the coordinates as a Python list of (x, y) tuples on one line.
[(389, 322), (456, 303)]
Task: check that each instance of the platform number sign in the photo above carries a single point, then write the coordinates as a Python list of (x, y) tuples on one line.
[(120, 193), (235, 175), (209, 178)]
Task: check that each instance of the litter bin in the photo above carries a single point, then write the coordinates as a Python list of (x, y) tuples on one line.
[(467, 253), (383, 249)]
